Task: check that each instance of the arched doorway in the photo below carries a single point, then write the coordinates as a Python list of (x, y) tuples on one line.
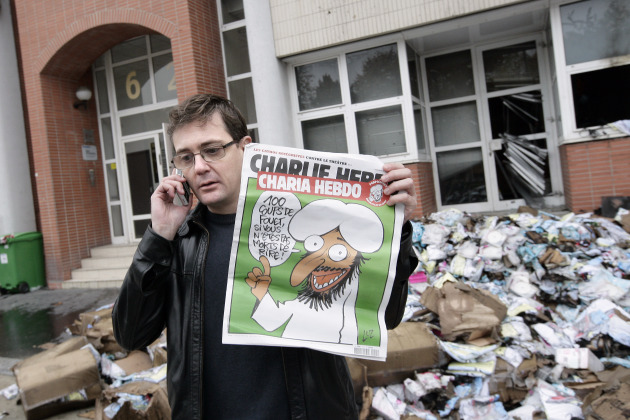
[(135, 89)]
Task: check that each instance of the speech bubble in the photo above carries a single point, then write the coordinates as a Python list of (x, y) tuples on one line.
[(269, 233)]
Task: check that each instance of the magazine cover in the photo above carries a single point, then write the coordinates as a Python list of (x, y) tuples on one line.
[(314, 253)]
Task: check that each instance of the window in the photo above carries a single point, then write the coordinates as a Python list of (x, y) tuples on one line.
[(594, 63), (374, 74), (326, 134), (237, 66), (487, 118), (358, 102), (601, 96), (318, 84)]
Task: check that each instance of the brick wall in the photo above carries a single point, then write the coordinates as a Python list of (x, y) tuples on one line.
[(425, 190), (57, 42), (593, 170)]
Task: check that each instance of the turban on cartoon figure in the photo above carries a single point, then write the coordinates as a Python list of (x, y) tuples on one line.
[(335, 237)]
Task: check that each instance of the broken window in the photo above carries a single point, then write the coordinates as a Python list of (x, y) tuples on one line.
[(596, 47), (518, 114), (522, 169), (518, 119), (601, 96)]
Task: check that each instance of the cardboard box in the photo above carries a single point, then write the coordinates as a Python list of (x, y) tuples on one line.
[(136, 361), (158, 408), (358, 373), (410, 347), (87, 320), (101, 336), (67, 346), (157, 350), (44, 383), (465, 312), (608, 401)]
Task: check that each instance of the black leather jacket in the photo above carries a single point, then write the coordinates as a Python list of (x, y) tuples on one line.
[(164, 288)]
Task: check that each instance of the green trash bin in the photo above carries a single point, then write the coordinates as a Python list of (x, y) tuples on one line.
[(22, 262)]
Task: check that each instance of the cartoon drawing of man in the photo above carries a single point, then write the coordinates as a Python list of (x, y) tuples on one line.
[(376, 193), (335, 236)]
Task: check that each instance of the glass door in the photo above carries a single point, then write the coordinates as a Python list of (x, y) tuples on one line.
[(135, 90), (456, 132), (488, 122), (516, 119), (144, 169)]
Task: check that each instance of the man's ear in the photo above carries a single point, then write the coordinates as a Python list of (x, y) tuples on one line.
[(244, 142)]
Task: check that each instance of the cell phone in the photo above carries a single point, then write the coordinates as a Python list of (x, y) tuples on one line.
[(185, 199)]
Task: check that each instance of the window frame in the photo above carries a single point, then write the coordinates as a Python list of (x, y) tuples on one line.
[(252, 127), (563, 73), (348, 110)]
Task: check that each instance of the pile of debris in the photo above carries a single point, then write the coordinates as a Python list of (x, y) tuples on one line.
[(91, 370), (518, 317), (525, 316)]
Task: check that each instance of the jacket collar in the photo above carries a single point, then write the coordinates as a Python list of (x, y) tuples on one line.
[(195, 216)]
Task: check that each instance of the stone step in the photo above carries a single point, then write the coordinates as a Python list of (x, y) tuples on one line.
[(106, 262), (110, 251), (105, 268), (99, 274), (92, 284)]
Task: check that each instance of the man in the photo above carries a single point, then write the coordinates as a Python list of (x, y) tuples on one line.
[(178, 280)]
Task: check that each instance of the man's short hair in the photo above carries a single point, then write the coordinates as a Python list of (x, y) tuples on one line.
[(201, 107)]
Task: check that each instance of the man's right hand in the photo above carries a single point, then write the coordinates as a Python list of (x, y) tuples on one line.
[(166, 216)]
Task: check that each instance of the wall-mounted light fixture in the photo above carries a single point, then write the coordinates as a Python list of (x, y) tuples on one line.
[(84, 94)]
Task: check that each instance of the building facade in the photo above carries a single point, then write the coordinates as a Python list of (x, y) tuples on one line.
[(491, 103)]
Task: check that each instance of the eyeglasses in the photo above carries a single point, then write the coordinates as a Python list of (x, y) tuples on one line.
[(209, 154)]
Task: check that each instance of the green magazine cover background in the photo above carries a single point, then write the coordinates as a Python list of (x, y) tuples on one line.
[(372, 280)]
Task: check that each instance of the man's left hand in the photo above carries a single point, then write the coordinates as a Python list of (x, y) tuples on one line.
[(400, 187)]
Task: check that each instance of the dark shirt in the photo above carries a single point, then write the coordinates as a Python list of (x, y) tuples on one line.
[(239, 382)]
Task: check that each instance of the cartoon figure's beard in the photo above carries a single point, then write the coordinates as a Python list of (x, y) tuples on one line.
[(321, 300)]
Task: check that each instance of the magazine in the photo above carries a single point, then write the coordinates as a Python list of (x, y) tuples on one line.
[(314, 253)]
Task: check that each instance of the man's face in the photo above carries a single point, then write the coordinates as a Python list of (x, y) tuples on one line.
[(216, 184)]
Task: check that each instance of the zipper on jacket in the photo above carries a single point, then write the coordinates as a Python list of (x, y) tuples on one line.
[(201, 302)]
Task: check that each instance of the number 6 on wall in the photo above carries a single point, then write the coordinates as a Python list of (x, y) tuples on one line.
[(132, 86)]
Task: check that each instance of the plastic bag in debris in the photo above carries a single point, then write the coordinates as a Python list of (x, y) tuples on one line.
[(417, 231), (553, 335), (510, 355), (476, 387), (10, 392), (602, 284), (466, 352), (520, 284), (387, 404), (435, 234), (138, 403), (423, 384), (448, 217), (603, 317), (482, 408), (155, 374), (558, 401)]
